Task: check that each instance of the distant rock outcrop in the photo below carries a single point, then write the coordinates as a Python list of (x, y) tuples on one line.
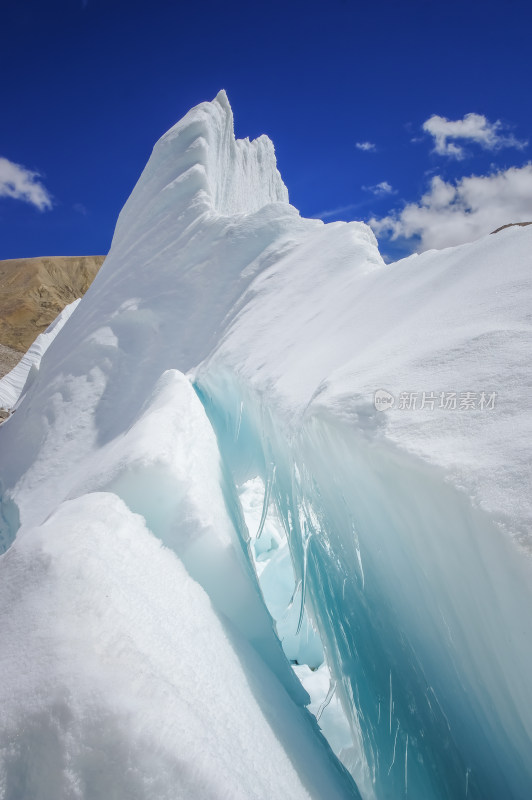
[(33, 291), (511, 225)]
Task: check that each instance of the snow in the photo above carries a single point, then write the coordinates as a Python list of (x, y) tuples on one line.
[(217, 382), (125, 682), (446, 321), (12, 384)]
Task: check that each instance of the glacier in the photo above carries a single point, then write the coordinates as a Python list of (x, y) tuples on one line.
[(226, 572)]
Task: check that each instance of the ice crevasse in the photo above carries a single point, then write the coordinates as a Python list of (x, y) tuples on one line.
[(225, 572)]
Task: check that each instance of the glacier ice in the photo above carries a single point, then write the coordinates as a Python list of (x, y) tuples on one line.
[(197, 491), (12, 385)]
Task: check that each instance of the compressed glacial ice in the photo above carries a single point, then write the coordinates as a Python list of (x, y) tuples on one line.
[(209, 526)]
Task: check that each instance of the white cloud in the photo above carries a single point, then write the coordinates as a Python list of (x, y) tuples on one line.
[(21, 184), (366, 146), (380, 189), (472, 128), (453, 213)]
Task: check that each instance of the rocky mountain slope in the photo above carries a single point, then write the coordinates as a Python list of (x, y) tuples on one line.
[(8, 359), (34, 290)]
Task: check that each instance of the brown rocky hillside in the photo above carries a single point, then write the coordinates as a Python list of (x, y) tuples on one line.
[(34, 290), (8, 359)]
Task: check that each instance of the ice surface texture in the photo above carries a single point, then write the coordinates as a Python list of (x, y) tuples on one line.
[(227, 343), (120, 680)]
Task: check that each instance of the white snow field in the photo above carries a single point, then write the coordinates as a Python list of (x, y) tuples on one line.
[(198, 489)]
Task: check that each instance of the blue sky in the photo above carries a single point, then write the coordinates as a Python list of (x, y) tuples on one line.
[(89, 86)]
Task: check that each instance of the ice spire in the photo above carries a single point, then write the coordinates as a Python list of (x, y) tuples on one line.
[(199, 166)]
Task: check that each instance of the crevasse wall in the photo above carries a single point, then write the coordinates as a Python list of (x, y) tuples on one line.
[(425, 634)]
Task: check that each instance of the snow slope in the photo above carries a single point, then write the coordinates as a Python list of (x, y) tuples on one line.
[(119, 678), (229, 351), (12, 384)]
